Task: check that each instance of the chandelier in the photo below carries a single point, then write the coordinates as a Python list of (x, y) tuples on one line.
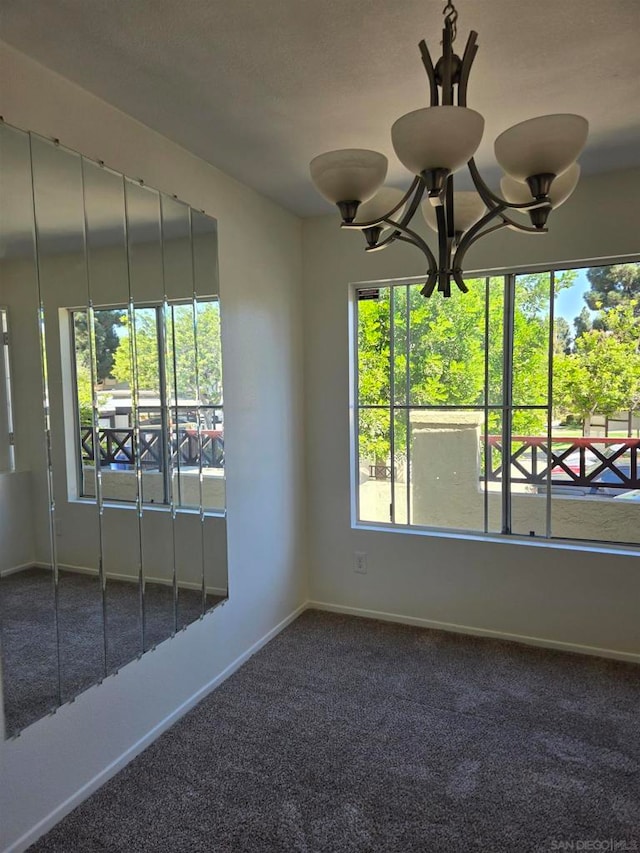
[(538, 157)]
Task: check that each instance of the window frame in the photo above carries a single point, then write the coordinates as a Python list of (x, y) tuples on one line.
[(505, 535)]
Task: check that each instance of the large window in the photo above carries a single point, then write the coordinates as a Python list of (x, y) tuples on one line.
[(151, 411), (511, 409)]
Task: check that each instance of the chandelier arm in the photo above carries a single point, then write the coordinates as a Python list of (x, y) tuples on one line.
[(528, 229), (468, 57), (457, 277), (491, 199), (415, 201), (359, 226), (431, 73), (470, 238), (391, 238), (449, 208), (410, 236), (458, 262), (444, 252), (402, 225), (443, 241), (430, 285), (473, 233)]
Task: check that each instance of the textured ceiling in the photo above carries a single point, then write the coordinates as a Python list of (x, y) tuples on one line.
[(259, 87)]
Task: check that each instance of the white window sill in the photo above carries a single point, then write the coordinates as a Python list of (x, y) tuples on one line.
[(615, 548)]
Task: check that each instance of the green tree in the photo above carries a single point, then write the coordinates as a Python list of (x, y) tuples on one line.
[(613, 286), (583, 322), (442, 354), (562, 338), (601, 376)]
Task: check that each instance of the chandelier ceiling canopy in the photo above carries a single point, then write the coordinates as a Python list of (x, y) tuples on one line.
[(538, 157)]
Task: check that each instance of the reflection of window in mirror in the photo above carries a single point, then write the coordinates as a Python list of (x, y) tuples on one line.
[(158, 403), (7, 457)]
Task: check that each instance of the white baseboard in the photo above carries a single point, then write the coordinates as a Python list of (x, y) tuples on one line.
[(13, 570), (48, 822), (630, 657)]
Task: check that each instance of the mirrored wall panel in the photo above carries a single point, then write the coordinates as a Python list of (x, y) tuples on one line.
[(112, 486)]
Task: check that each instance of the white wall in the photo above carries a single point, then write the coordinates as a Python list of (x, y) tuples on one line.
[(260, 274), (16, 530), (559, 596)]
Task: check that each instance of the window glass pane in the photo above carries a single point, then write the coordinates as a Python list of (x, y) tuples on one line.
[(373, 347), (529, 464), (374, 465), (401, 343), (596, 388), (531, 339), (401, 493), (447, 347), (446, 447), (495, 345), (491, 470)]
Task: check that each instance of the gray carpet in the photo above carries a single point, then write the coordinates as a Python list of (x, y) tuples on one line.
[(27, 629), (353, 735)]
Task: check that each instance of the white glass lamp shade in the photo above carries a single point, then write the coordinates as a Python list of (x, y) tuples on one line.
[(547, 145), (468, 208), (519, 193), (352, 174), (383, 201), (437, 138)]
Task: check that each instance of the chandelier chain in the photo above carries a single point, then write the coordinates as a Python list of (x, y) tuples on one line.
[(451, 15)]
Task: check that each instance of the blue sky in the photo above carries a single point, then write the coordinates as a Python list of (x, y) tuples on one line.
[(570, 302)]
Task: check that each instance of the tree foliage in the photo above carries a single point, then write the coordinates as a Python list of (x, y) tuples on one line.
[(599, 376), (602, 373), (562, 339), (613, 287), (583, 322), (439, 355)]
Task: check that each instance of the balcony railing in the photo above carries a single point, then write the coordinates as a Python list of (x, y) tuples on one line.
[(188, 447), (593, 465), (589, 463)]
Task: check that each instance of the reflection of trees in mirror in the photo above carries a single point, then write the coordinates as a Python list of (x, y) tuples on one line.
[(181, 364), (106, 342), (113, 353), (107, 339)]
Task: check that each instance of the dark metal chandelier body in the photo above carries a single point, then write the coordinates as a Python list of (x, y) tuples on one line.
[(448, 82)]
